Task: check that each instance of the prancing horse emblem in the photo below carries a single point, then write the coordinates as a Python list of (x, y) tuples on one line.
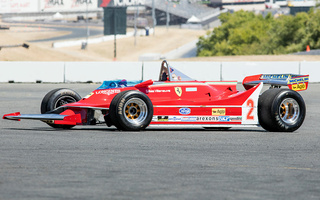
[(178, 91)]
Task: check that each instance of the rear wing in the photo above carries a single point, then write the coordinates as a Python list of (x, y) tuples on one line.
[(295, 82)]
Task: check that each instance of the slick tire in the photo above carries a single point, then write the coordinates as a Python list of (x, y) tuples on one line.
[(281, 110), (56, 98), (131, 111)]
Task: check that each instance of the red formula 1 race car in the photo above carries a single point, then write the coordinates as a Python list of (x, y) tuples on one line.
[(178, 100)]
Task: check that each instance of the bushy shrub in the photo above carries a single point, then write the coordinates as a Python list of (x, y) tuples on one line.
[(245, 33)]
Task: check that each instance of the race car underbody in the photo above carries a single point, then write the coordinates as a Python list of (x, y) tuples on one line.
[(180, 101)]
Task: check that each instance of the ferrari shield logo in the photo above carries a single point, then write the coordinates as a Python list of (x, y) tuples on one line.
[(178, 91)]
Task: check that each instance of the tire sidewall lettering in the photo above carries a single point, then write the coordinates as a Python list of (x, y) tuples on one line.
[(120, 106)]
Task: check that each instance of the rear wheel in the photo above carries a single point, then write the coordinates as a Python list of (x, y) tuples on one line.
[(281, 110), (56, 98), (131, 111)]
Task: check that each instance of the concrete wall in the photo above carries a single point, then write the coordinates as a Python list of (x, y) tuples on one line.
[(99, 71), (32, 71)]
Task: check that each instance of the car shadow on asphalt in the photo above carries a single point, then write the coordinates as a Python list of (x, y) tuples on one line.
[(112, 129)]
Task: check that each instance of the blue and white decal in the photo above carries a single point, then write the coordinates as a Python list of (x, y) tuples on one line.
[(224, 118), (184, 111), (189, 119)]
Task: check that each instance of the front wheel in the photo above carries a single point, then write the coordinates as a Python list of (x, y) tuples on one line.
[(57, 98), (281, 110), (131, 111)]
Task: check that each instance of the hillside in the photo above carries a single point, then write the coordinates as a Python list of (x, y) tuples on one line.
[(162, 42)]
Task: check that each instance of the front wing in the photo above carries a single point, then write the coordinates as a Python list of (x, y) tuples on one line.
[(52, 118)]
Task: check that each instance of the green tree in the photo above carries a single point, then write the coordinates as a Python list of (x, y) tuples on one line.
[(244, 33)]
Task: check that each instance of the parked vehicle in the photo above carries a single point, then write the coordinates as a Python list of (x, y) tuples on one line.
[(175, 99)]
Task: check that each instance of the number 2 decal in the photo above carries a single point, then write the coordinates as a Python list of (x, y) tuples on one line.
[(250, 103)]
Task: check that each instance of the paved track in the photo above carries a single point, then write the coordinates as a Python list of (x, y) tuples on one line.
[(75, 33), (77, 30), (38, 162)]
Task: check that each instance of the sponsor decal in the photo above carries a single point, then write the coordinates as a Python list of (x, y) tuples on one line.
[(218, 111), (178, 91), (276, 76), (154, 118), (298, 87), (184, 111), (163, 118), (207, 119), (188, 119), (197, 118), (236, 119), (220, 119), (224, 119), (108, 92), (89, 95), (175, 119), (158, 91), (299, 83), (193, 89), (298, 80)]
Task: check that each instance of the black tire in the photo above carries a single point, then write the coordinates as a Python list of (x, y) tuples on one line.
[(56, 98), (131, 111), (281, 110)]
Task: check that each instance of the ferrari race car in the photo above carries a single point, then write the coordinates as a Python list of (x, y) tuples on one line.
[(177, 100)]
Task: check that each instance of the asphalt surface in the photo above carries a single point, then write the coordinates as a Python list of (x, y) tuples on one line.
[(97, 162), (77, 30)]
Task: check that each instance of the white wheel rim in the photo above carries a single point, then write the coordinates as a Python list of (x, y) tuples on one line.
[(135, 111), (289, 111)]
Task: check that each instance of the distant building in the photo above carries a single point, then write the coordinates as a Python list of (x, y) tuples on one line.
[(300, 6), (180, 11), (289, 3), (139, 12), (239, 4), (34, 6), (294, 5)]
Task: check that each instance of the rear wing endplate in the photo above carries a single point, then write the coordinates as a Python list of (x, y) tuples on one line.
[(295, 82)]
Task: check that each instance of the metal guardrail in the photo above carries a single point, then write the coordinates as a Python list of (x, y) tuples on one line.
[(15, 45)]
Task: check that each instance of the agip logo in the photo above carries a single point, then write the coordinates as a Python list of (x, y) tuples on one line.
[(218, 111)]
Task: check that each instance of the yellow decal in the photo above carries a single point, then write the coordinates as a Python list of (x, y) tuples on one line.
[(218, 111), (298, 87), (89, 95), (178, 91)]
